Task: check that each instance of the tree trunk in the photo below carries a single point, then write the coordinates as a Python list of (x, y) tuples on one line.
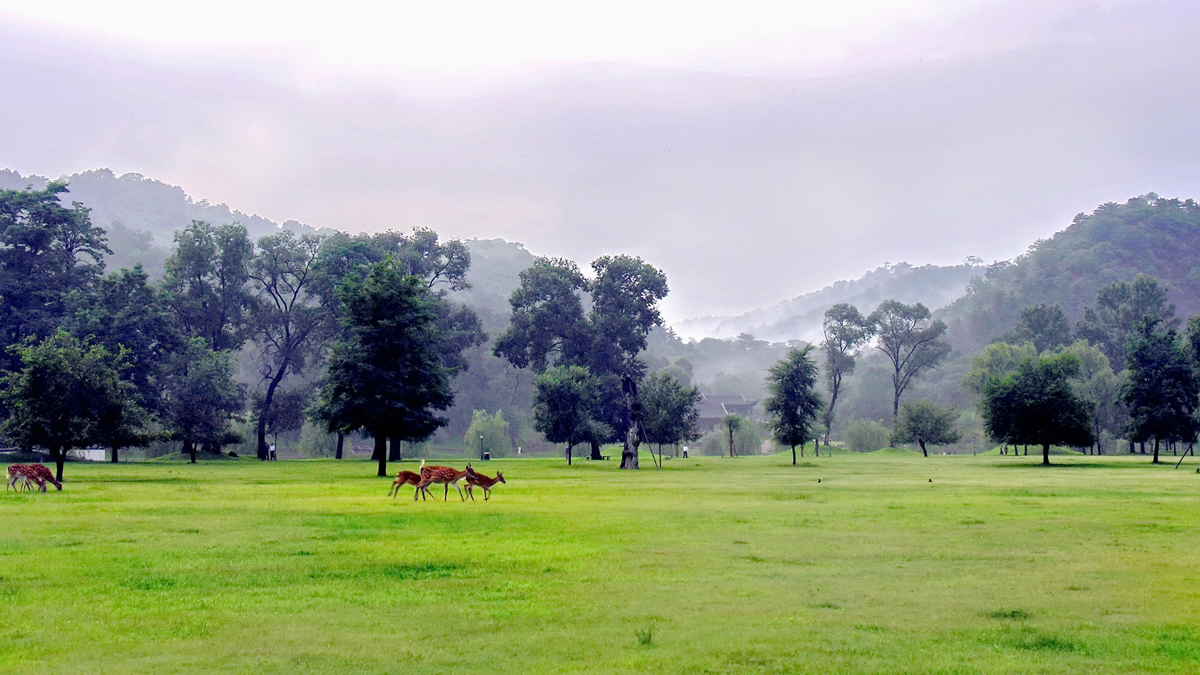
[(833, 397), (595, 451), (60, 458), (262, 415), (1131, 451), (115, 450), (1155, 460), (1142, 446), (1027, 451), (394, 450), (793, 455), (922, 444), (730, 442), (193, 453), (381, 453), (568, 454), (817, 446), (1045, 454), (341, 442)]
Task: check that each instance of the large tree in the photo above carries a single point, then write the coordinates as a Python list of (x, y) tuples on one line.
[(63, 395), (925, 422), (793, 402), (669, 412), (1100, 387), (124, 311), (549, 327), (46, 251), (202, 398), (1161, 392), (565, 403), (1035, 405), (912, 343), (846, 332), (384, 375), (290, 322), (208, 280), (1120, 310), (1045, 326)]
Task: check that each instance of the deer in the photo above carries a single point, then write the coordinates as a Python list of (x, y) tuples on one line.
[(409, 477), (483, 482), (41, 474), (444, 475), (15, 473)]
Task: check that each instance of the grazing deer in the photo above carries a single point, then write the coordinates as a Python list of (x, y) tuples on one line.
[(444, 475), (15, 473), (481, 481), (41, 474)]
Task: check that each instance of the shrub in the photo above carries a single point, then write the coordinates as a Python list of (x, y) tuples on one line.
[(866, 436)]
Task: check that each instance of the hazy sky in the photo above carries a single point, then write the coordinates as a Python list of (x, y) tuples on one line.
[(753, 150)]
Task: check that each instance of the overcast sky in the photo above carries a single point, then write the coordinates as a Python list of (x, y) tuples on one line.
[(754, 151)]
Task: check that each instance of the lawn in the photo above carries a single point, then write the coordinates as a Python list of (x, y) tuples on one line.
[(709, 565)]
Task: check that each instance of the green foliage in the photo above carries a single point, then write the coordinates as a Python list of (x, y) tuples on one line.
[(207, 278), (997, 360), (1036, 406), (1121, 309), (1161, 392), (66, 394), (1100, 387), (669, 413), (925, 422), (202, 397), (911, 342), (567, 406), (866, 436), (846, 332), (1045, 326), (494, 432), (384, 375), (793, 403)]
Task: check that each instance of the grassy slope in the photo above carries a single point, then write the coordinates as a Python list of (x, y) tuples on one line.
[(744, 565)]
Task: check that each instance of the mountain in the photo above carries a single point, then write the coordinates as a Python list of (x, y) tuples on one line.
[(1145, 235), (800, 318)]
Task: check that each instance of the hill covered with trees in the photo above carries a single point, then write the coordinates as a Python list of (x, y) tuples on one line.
[(1145, 235)]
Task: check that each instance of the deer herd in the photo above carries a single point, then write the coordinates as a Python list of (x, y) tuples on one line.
[(30, 475), (429, 475)]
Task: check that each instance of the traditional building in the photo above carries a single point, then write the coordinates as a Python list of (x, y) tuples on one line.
[(714, 408)]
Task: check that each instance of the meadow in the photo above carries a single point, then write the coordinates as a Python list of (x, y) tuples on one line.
[(891, 563)]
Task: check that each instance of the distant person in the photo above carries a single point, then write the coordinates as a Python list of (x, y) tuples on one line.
[(685, 449), (271, 453)]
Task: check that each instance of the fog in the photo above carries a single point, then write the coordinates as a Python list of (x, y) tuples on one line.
[(746, 183)]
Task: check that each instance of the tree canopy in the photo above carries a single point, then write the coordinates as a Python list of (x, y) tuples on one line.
[(911, 342), (925, 422), (1035, 405)]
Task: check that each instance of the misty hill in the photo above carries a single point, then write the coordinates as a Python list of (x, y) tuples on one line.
[(141, 216), (1148, 234), (800, 318)]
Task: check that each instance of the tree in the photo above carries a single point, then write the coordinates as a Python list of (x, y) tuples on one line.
[(549, 328), (63, 395), (565, 402), (793, 403), (46, 251), (384, 375), (846, 332), (487, 433), (208, 280), (1121, 308), (1161, 392), (289, 320), (1036, 406), (997, 360), (124, 311), (202, 397), (669, 412), (286, 414), (1100, 387), (911, 342), (924, 422), (732, 423), (1045, 326)]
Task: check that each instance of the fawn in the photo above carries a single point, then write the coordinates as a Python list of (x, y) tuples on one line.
[(408, 477), (479, 480)]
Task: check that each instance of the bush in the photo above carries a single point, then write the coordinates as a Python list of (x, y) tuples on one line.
[(866, 436), (494, 431)]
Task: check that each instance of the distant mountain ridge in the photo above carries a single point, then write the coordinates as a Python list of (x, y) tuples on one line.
[(800, 318)]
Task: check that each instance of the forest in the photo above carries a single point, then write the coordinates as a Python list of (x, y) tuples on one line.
[(237, 339)]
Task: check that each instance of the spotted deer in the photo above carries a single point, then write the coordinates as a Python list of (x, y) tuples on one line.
[(16, 473), (42, 475), (483, 482), (444, 475), (409, 478)]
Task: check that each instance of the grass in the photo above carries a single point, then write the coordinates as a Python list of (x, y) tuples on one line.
[(707, 566)]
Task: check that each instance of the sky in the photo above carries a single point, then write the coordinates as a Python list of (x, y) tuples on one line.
[(755, 151)]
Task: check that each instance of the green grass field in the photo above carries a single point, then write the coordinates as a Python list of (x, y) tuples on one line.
[(707, 566)]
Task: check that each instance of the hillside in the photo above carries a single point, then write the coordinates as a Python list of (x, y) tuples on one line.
[(800, 318), (1147, 234)]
